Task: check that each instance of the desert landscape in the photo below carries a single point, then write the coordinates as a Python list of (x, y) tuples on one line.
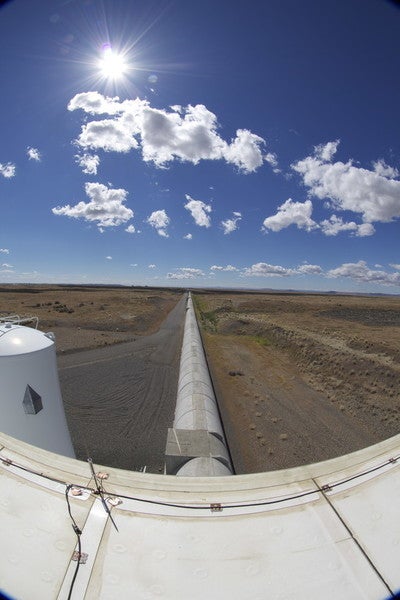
[(299, 377), (302, 377)]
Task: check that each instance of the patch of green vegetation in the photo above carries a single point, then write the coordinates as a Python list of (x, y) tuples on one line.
[(259, 339), (207, 318), (210, 319)]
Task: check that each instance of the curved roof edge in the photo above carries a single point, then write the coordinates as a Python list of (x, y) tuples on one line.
[(335, 468), (327, 529)]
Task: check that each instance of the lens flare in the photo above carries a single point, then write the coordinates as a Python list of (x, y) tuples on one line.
[(112, 64)]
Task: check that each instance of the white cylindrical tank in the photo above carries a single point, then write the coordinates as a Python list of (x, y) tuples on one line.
[(30, 397)]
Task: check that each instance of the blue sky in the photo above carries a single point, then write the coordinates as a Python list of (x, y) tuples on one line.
[(222, 143)]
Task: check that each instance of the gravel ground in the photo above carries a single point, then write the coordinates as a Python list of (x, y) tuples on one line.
[(120, 400)]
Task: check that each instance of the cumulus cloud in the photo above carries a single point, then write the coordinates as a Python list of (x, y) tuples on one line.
[(88, 162), (335, 225), (262, 269), (373, 194), (188, 236), (7, 266), (185, 273), (4, 251), (130, 229), (152, 267), (381, 168), (33, 154), (291, 213), (231, 224), (7, 170), (96, 104), (394, 266), (226, 268), (108, 135), (245, 151), (199, 211), (109, 257), (188, 134), (160, 221), (105, 207), (308, 269), (362, 273)]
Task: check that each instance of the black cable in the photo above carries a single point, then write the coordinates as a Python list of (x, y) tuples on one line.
[(100, 492), (78, 533)]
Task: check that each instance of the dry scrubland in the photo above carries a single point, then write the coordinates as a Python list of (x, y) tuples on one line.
[(300, 377), (90, 317)]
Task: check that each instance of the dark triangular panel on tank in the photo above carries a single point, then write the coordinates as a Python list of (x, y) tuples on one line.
[(32, 402)]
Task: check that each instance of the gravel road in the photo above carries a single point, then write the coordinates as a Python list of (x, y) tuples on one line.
[(120, 400)]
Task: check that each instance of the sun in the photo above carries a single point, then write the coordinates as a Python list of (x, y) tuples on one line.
[(112, 64)]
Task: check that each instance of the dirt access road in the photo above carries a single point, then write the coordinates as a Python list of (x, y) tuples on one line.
[(302, 378), (120, 400)]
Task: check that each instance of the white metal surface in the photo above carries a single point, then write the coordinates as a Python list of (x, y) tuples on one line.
[(28, 358), (17, 340), (196, 407), (329, 530), (196, 413)]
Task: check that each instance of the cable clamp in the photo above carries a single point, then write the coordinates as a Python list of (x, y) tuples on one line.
[(82, 557), (216, 507)]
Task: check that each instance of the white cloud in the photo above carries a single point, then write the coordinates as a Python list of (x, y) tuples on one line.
[(231, 224), (334, 225), (88, 162), (220, 268), (4, 251), (362, 273), (133, 265), (272, 160), (7, 266), (245, 151), (199, 211), (394, 266), (188, 236), (185, 273), (266, 270), (291, 213), (130, 229), (108, 135), (106, 206), (7, 170), (326, 152), (180, 133), (381, 168), (152, 267), (370, 193), (308, 269), (33, 154), (160, 221), (96, 104), (109, 257)]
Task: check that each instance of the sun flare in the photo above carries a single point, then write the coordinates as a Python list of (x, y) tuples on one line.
[(112, 64)]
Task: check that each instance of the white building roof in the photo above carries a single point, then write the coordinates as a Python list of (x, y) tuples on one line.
[(329, 530)]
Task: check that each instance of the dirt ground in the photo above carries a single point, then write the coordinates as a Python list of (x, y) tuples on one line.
[(302, 378), (90, 317), (299, 377)]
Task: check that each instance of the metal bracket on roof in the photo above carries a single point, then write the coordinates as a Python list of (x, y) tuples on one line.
[(82, 557)]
